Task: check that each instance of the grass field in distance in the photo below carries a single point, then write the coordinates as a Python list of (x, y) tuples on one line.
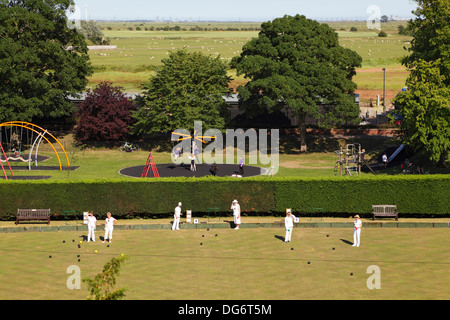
[(140, 52)]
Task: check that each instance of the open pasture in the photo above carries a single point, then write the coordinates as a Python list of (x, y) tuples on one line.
[(140, 52), (140, 48), (252, 263)]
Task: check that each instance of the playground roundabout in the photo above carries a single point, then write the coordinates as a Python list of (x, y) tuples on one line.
[(183, 170)]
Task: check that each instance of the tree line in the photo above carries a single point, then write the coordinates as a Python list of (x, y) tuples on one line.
[(295, 63)]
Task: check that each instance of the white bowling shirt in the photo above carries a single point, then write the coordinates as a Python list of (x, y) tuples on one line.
[(110, 223), (289, 221), (91, 221)]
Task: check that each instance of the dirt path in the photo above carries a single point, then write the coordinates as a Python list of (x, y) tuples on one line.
[(299, 165)]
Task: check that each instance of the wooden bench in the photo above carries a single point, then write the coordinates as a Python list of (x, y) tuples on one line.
[(385, 210), (33, 215)]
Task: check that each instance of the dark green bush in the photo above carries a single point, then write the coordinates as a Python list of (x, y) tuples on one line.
[(411, 194), (263, 195)]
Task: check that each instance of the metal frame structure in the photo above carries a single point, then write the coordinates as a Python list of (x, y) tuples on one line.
[(41, 135)]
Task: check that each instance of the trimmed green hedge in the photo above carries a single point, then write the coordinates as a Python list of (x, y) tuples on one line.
[(263, 195), (411, 194)]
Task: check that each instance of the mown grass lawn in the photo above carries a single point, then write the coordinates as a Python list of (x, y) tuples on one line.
[(105, 163), (245, 264)]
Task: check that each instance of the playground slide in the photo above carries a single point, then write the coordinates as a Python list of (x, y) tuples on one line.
[(370, 168), (399, 149)]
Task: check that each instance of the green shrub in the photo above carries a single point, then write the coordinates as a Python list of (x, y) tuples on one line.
[(411, 194), (262, 195)]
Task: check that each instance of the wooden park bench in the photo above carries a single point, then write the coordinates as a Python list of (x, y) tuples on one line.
[(33, 215), (385, 211)]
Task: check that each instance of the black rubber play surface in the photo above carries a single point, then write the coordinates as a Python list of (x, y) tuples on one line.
[(175, 170), (26, 177), (17, 164), (40, 168)]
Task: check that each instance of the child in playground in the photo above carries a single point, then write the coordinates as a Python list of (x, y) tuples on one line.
[(213, 169), (241, 166), (193, 166), (176, 153), (196, 152), (384, 158)]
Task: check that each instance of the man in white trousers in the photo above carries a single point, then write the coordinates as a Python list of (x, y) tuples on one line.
[(289, 225), (176, 217), (109, 227), (357, 231), (236, 214), (92, 225)]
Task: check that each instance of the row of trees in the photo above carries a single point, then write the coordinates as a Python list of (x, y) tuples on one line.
[(195, 28), (425, 106), (295, 63)]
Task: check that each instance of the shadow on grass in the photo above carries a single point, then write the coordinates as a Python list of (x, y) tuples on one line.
[(346, 242)]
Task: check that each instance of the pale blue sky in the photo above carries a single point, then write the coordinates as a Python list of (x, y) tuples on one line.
[(240, 10)]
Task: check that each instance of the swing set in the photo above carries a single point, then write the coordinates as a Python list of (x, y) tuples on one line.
[(16, 145)]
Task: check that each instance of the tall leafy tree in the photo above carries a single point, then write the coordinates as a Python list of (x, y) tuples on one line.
[(431, 36), (425, 108), (189, 87), (42, 60), (297, 63), (92, 32), (425, 105)]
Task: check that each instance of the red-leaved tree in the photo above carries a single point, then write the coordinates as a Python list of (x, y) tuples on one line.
[(105, 115)]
